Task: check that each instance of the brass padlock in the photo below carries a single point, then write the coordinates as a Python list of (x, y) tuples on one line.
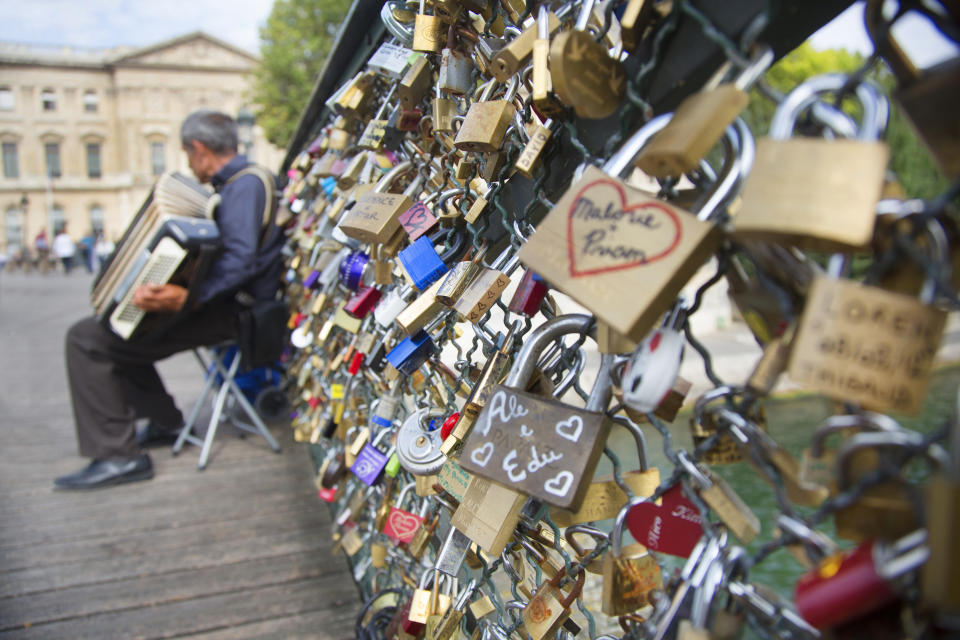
[(940, 587), (550, 607), (857, 343), (488, 514), (781, 204), (886, 511), (485, 126), (429, 32), (415, 84), (629, 573), (739, 519), (531, 158), (509, 59), (699, 122)]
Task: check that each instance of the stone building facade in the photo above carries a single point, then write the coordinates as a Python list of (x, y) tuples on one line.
[(85, 133)]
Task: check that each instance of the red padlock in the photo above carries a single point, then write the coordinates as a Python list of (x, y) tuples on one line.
[(362, 302), (447, 427), (355, 363), (848, 586), (327, 494), (529, 294)]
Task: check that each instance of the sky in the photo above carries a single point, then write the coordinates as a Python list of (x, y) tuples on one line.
[(139, 23)]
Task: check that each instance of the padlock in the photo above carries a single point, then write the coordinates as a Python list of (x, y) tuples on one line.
[(568, 440), (529, 294), (882, 511), (531, 158), (482, 294), (423, 535), (374, 217), (517, 52), (399, 524), (362, 302), (421, 263), (550, 607), (851, 586), (845, 174), (486, 122), (446, 626), (699, 122), (488, 514), (426, 603), (417, 220), (858, 343), (655, 364), (415, 84), (606, 497), (584, 74), (371, 461), (411, 352), (595, 565), (629, 573), (636, 17), (444, 110), (541, 91), (576, 250), (459, 278), (418, 442), (429, 32), (720, 496), (456, 69), (422, 311), (922, 95)]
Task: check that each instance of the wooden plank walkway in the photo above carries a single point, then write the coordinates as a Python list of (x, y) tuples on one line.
[(241, 550)]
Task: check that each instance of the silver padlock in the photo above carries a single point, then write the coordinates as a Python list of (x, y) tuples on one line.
[(418, 447)]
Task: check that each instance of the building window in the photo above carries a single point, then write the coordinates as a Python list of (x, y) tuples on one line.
[(11, 166), (90, 101), (51, 151), (93, 159), (57, 219), (157, 158), (6, 99), (14, 229), (48, 99), (96, 219)]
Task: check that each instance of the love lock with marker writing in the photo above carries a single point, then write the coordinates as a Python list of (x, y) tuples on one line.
[(535, 445), (603, 236)]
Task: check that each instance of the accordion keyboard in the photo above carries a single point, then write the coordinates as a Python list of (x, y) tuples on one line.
[(161, 265)]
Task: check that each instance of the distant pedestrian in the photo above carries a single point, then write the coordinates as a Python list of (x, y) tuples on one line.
[(103, 248), (64, 249), (86, 251), (42, 245)]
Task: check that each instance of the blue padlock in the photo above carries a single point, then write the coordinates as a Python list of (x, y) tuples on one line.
[(353, 269), (412, 352), (329, 184), (422, 263)]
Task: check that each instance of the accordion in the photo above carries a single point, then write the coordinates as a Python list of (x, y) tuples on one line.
[(172, 239)]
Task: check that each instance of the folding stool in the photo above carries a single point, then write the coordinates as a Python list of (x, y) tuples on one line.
[(221, 370)]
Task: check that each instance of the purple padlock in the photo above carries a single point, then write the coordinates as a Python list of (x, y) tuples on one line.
[(371, 461)]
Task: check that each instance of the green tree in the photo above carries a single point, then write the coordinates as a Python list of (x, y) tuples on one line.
[(909, 159), (296, 40)]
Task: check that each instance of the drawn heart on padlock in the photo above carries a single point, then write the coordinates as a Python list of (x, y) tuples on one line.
[(671, 527), (604, 234), (401, 525), (570, 429), (559, 485), (481, 455)]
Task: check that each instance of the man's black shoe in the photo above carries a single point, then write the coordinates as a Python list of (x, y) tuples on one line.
[(106, 473), (153, 435)]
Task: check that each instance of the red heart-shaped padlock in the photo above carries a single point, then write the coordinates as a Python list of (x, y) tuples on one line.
[(672, 527)]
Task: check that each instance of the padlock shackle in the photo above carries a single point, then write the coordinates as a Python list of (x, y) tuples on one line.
[(876, 107), (397, 29), (865, 420), (540, 338), (913, 442)]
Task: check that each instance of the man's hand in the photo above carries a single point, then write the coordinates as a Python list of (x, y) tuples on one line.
[(160, 297)]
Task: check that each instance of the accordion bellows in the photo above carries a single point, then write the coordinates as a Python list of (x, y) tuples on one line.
[(170, 239)]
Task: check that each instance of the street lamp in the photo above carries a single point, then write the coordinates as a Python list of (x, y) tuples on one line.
[(245, 121)]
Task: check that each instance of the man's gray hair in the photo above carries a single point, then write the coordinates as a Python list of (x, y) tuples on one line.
[(215, 129)]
